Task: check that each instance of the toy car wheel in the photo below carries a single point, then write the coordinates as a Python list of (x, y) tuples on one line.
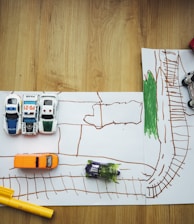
[(184, 83), (190, 104), (192, 78)]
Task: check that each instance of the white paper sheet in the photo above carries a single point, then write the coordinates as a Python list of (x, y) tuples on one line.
[(171, 154), (105, 127), (109, 127)]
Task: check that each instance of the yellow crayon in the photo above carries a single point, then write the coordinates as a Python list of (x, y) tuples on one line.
[(6, 199)]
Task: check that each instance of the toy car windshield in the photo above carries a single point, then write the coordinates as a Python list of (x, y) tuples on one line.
[(49, 161), (12, 101), (107, 171)]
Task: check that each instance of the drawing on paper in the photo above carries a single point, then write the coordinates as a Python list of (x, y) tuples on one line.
[(148, 134), (173, 127), (150, 105), (99, 126)]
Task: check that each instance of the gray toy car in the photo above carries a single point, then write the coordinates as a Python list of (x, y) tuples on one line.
[(188, 81)]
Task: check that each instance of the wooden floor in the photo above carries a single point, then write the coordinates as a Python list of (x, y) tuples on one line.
[(89, 45)]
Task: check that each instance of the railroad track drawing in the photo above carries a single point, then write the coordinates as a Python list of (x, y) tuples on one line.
[(173, 133)]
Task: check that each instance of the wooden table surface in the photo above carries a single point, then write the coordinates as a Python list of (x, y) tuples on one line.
[(89, 45)]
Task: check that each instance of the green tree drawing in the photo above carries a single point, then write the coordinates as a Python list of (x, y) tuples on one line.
[(150, 105)]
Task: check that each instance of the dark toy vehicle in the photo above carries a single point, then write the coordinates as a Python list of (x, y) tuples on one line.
[(108, 171), (188, 81)]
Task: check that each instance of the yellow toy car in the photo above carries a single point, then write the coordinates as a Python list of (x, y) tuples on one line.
[(36, 161)]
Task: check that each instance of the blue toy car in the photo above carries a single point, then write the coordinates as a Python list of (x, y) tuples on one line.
[(12, 118), (30, 109), (107, 171)]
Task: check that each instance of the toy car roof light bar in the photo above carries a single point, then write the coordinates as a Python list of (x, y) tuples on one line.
[(188, 82), (107, 171)]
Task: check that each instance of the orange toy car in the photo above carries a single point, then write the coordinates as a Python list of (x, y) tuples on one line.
[(36, 161)]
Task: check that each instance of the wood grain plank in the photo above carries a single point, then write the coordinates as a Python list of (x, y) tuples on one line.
[(89, 45)]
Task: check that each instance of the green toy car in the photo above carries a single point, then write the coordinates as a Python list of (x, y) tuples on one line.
[(107, 171)]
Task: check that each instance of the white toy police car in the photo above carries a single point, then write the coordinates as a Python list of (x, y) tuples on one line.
[(30, 114), (188, 81), (12, 117), (48, 113)]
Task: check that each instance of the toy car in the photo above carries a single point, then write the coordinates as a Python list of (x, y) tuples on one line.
[(30, 114), (12, 119), (48, 114), (191, 44), (188, 81), (108, 171), (36, 161)]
